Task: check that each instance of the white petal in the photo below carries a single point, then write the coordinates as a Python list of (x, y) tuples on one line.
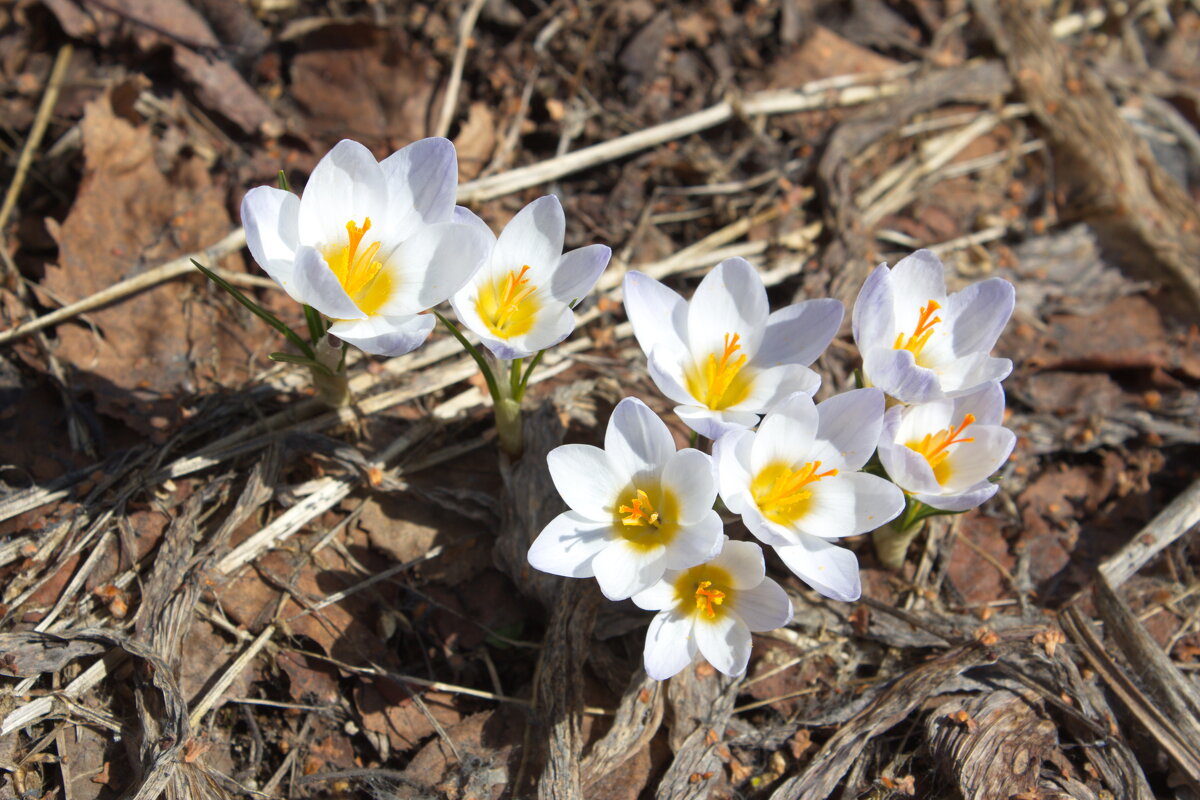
[(578, 271), (385, 336), (786, 435), (986, 404), (422, 179), (773, 385), (658, 315), (924, 418), (896, 373), (731, 454), (659, 596), (269, 216), (731, 299), (744, 562), (554, 322), (667, 373), (623, 570), (765, 530), (972, 372), (688, 475), (433, 264), (724, 641), (567, 545), (971, 498), (533, 238), (972, 462), (697, 542), (907, 468), (715, 424), (916, 280), (347, 185), (465, 216), (799, 333), (669, 645), (831, 570), (314, 284), (850, 503), (637, 441), (850, 424), (979, 313), (873, 318), (763, 608), (585, 478)]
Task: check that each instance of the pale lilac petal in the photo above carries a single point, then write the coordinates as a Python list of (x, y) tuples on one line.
[(639, 444), (873, 318), (347, 185), (731, 299), (269, 216), (965, 501), (763, 608), (907, 468), (585, 479), (433, 264), (971, 372), (669, 645), (578, 271), (568, 544), (771, 386), (623, 569), (422, 179), (786, 435), (689, 476), (917, 279), (850, 424), (896, 373), (667, 374), (831, 570), (986, 404), (385, 336), (465, 216), (658, 596), (799, 333), (533, 238), (744, 563), (979, 313), (724, 641), (715, 424), (697, 542), (314, 284), (658, 315)]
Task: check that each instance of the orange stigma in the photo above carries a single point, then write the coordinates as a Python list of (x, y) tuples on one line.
[(778, 489), (358, 270), (706, 598), (719, 374), (639, 512), (935, 446), (514, 290), (920, 336)]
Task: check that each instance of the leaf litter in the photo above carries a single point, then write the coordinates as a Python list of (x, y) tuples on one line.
[(996, 663)]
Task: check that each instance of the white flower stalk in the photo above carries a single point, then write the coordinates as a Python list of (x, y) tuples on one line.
[(369, 244), (796, 484), (712, 608), (521, 301), (638, 507), (943, 452), (920, 344), (722, 356)]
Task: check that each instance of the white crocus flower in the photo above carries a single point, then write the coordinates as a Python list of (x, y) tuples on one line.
[(521, 301), (369, 244), (722, 356), (920, 344), (943, 452), (638, 507), (712, 608), (795, 482)]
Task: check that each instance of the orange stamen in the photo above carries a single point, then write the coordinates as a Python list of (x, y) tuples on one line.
[(788, 487), (514, 290), (935, 446), (925, 322), (706, 598), (719, 374), (640, 512)]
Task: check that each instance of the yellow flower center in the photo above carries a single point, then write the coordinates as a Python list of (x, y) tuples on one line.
[(360, 273), (720, 383), (508, 307), (646, 517), (920, 336), (704, 591), (935, 447), (781, 492)]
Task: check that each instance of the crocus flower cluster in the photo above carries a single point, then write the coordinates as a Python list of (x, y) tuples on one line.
[(921, 436)]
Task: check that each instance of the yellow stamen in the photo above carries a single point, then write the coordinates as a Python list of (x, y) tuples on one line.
[(920, 337), (721, 384), (640, 512), (706, 598), (357, 269), (508, 307), (780, 492), (935, 447)]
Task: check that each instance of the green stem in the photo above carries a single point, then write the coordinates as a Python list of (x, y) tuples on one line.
[(537, 359), (695, 441), (514, 378), (316, 323), (473, 351), (256, 309)]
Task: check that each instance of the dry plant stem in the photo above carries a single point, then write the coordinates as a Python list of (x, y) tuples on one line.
[(470, 15), (1174, 521)]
